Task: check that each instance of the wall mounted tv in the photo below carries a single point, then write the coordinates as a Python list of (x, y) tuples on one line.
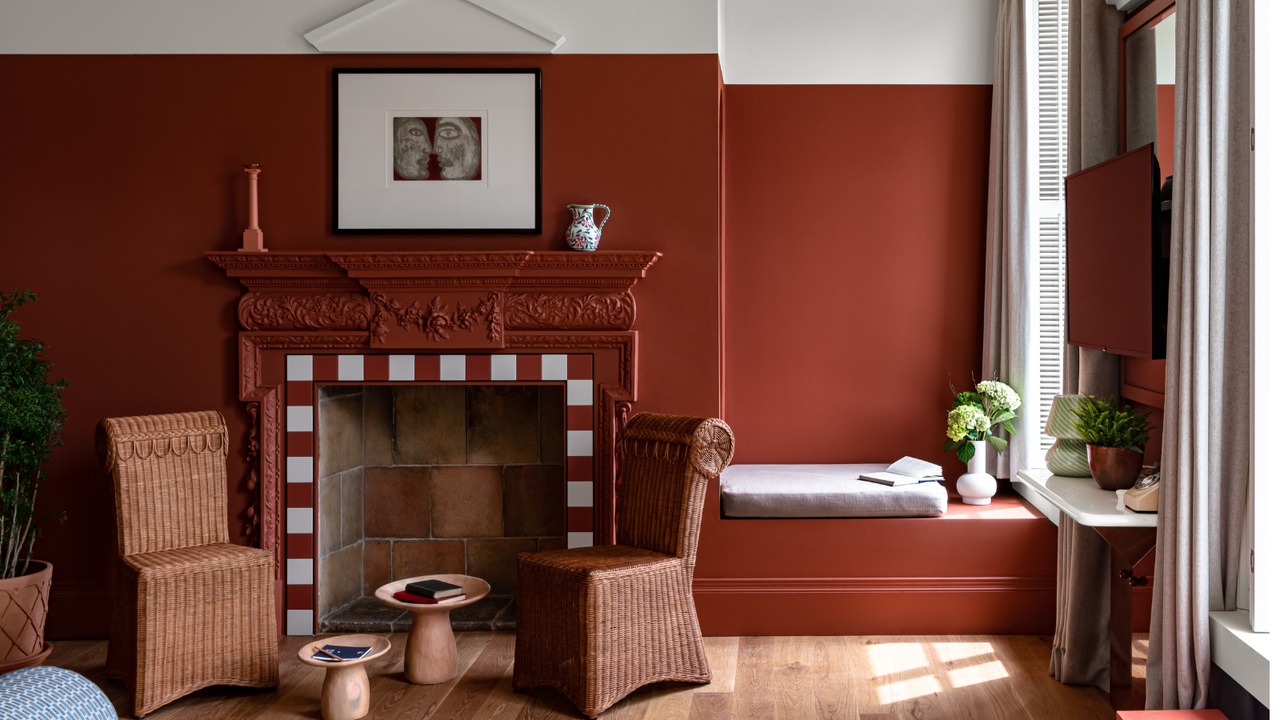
[(1117, 260)]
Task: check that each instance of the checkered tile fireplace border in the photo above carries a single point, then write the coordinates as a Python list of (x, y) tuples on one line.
[(303, 372)]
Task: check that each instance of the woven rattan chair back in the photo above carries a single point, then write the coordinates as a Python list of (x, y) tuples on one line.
[(667, 461), (170, 477)]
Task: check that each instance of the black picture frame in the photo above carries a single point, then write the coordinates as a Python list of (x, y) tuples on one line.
[(338, 227)]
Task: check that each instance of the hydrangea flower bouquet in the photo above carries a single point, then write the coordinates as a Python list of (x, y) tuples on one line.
[(976, 416)]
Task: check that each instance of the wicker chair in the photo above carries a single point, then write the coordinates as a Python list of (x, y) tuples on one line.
[(601, 621), (191, 609)]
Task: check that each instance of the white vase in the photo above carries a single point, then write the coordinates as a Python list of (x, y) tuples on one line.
[(977, 486)]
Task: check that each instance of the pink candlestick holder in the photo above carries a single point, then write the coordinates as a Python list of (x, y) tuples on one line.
[(253, 234)]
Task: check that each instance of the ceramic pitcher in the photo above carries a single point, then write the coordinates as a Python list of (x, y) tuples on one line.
[(583, 233)]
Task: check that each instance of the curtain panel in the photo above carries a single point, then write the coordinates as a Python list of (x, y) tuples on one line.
[(1205, 468), (1009, 332)]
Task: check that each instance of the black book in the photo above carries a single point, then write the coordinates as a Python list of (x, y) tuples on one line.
[(343, 652), (434, 589)]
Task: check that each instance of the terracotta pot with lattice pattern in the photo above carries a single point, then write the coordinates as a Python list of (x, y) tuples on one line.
[(24, 605)]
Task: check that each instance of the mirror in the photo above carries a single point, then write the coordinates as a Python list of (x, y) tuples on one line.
[(1149, 86)]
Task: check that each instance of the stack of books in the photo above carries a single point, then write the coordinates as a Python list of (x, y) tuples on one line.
[(430, 592)]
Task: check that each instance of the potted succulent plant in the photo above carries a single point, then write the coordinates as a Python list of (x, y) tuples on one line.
[(31, 418), (1114, 439)]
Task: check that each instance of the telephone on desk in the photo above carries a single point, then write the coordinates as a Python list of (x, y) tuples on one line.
[(1145, 495)]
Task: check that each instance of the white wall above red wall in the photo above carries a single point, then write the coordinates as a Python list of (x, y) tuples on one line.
[(858, 42), (791, 42), (258, 26)]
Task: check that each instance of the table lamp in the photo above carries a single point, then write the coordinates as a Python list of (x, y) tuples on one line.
[(1068, 456)]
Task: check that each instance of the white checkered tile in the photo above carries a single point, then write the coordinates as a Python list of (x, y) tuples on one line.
[(453, 368), (297, 367), (400, 368)]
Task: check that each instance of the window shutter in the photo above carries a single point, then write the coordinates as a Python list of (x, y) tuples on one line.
[(1050, 70)]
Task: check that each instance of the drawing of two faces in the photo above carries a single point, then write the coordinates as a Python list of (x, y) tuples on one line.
[(456, 148)]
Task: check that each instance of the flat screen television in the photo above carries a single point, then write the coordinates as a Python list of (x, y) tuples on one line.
[(1117, 265)]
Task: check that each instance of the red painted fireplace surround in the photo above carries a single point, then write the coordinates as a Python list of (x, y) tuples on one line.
[(426, 306)]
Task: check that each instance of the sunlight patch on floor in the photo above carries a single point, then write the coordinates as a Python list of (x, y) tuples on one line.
[(974, 674), (890, 658), (907, 689), (951, 651)]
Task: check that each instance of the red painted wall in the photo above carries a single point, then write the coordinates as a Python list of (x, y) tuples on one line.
[(122, 170), (856, 221)]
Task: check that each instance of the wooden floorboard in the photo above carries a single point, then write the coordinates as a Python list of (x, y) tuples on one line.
[(760, 678)]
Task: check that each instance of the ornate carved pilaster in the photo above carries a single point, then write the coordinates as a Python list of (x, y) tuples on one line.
[(251, 457)]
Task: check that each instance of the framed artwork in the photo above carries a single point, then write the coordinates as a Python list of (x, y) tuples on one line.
[(437, 150)]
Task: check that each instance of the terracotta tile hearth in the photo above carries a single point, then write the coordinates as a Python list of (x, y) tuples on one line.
[(425, 479)]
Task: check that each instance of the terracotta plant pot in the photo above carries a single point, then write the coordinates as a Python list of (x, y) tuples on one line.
[(24, 603), (1114, 468)]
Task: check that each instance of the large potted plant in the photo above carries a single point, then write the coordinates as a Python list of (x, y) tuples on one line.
[(31, 418), (1114, 439)]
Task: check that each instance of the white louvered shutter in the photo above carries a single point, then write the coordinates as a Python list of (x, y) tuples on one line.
[(1048, 139)]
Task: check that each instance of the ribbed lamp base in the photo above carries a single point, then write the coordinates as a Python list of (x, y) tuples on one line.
[(1068, 458)]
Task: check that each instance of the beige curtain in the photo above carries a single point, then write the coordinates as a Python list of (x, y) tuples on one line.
[(1093, 129), (1008, 331), (1204, 484), (1081, 650)]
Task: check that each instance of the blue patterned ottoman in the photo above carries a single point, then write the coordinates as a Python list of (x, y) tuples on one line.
[(50, 693)]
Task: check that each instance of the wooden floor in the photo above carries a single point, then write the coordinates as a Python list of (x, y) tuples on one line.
[(856, 678)]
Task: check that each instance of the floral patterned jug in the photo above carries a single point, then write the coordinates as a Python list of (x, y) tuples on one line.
[(583, 233)]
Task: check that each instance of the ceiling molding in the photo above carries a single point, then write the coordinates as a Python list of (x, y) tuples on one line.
[(439, 26)]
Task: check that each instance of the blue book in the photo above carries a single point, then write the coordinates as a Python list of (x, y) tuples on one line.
[(344, 652)]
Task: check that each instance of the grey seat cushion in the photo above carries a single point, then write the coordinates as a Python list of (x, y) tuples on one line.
[(808, 491)]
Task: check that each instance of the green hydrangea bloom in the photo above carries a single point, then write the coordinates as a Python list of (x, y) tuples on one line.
[(966, 419), (1001, 396)]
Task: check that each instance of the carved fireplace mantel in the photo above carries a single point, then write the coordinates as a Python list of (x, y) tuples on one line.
[(369, 303)]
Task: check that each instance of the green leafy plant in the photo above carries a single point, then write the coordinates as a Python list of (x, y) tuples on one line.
[(1103, 424), (977, 416), (31, 418)]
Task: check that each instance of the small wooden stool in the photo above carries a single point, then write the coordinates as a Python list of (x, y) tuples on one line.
[(345, 694), (431, 653)]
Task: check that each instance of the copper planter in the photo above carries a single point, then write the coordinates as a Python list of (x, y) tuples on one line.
[(1114, 468)]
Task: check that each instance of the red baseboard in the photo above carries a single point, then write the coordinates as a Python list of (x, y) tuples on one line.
[(78, 611), (875, 606)]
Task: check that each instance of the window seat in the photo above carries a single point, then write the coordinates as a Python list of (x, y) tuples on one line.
[(823, 491)]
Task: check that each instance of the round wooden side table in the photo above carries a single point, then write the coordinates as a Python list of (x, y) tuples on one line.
[(431, 654), (345, 694)]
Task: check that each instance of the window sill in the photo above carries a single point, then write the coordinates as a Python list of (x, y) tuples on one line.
[(1242, 653)]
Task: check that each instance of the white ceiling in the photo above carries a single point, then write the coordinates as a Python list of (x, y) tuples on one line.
[(760, 41)]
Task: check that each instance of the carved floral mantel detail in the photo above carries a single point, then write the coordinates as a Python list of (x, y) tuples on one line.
[(590, 311), (437, 319), (327, 311), (335, 303)]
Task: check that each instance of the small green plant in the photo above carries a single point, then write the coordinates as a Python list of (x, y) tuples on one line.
[(31, 418), (1103, 424), (976, 416)]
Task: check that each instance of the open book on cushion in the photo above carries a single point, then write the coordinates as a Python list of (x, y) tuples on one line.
[(907, 471)]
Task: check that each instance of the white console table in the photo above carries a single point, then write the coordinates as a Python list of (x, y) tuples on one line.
[(1131, 536)]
